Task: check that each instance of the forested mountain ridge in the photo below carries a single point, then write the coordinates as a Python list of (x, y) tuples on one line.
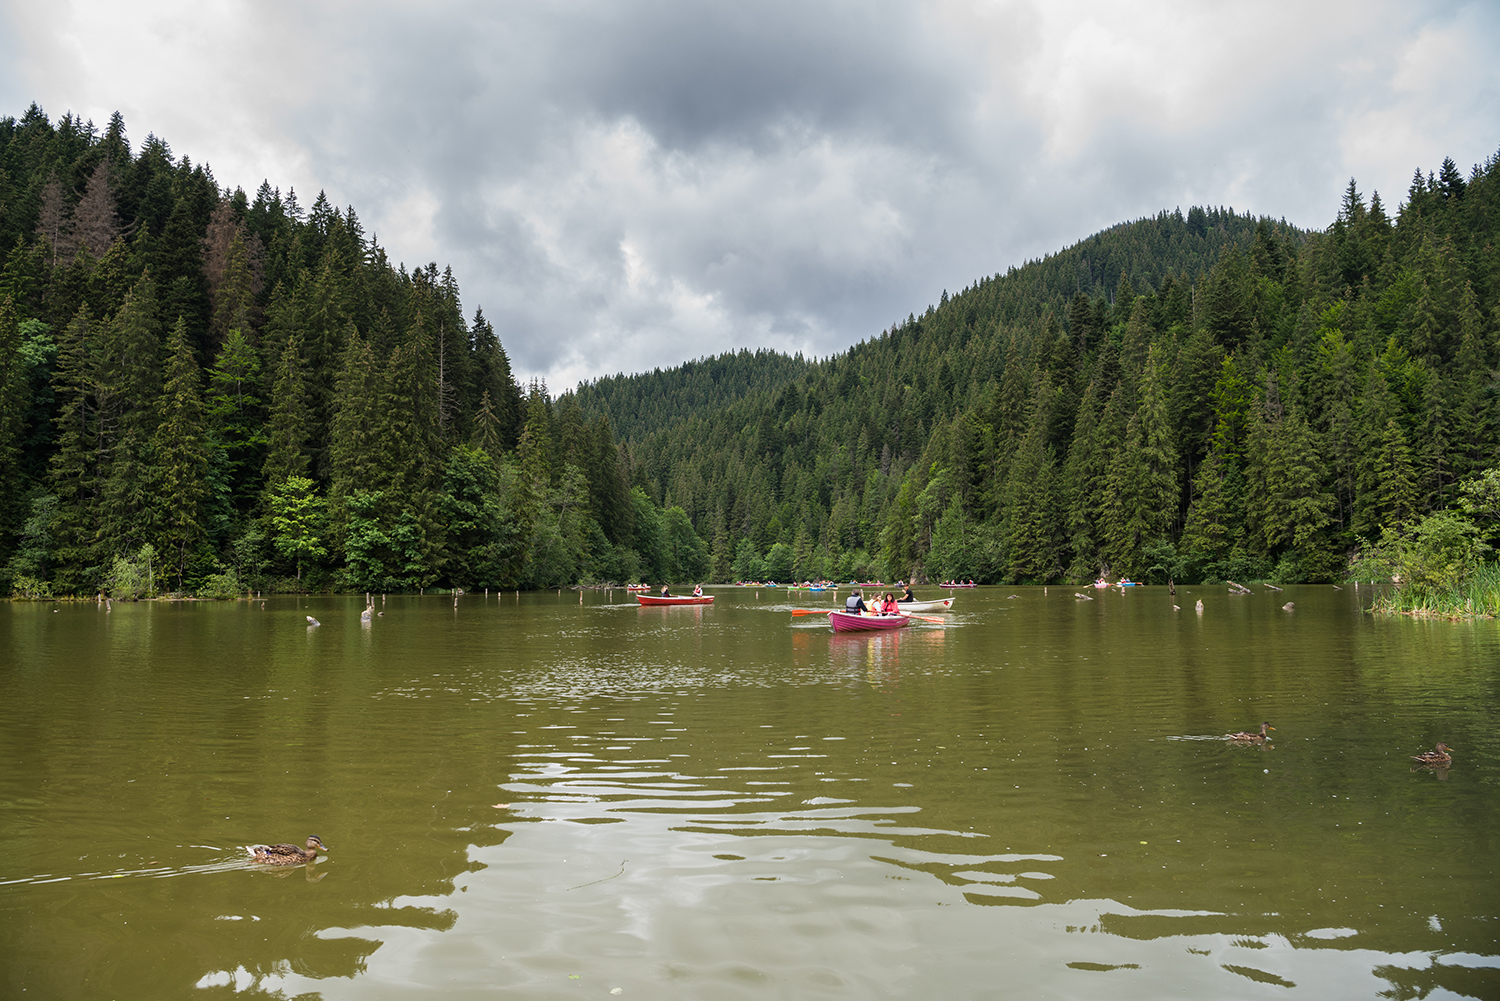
[(1146, 251), (1305, 393), (642, 404)]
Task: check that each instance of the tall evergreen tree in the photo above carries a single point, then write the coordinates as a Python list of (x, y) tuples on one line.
[(15, 404), (180, 453), (287, 431)]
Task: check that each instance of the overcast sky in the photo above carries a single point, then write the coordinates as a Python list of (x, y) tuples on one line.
[(624, 184)]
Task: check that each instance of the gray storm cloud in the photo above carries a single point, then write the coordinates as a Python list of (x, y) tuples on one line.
[(629, 185)]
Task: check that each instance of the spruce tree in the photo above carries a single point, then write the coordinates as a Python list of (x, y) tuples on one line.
[(1395, 502), (236, 422), (1082, 486), (485, 435), (354, 448), (75, 475), (287, 429), (15, 403), (128, 392), (181, 457)]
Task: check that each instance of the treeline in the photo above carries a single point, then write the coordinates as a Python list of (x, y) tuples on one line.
[(201, 391), (1246, 401)]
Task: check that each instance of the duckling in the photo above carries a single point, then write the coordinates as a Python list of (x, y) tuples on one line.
[(287, 854), (1247, 735), (313, 622), (1437, 757)]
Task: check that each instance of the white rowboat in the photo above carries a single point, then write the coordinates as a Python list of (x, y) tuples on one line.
[(925, 606)]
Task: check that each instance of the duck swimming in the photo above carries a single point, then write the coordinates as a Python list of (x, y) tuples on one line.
[(287, 854), (1437, 757), (1247, 735)]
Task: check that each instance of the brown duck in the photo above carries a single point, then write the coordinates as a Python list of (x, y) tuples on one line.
[(287, 854), (1437, 757), (1248, 735)]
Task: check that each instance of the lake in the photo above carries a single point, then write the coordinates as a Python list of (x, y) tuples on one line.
[(552, 796)]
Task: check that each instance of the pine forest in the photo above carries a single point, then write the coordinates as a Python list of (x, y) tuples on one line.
[(208, 393)]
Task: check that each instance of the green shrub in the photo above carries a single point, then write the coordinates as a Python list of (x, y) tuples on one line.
[(31, 588), (133, 577), (224, 586)]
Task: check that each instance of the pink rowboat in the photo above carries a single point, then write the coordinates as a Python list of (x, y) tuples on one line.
[(853, 622), (691, 599)]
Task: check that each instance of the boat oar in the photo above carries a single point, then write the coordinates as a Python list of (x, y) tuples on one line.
[(812, 611), (926, 618)]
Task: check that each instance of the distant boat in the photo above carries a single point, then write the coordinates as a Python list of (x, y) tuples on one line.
[(926, 606), (637, 587), (687, 599), (853, 622)]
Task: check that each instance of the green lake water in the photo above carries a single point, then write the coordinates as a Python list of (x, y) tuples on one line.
[(542, 796)]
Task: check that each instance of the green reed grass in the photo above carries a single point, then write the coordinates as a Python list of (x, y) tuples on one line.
[(1477, 597)]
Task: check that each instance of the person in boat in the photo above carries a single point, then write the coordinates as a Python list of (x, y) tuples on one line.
[(907, 595), (697, 590), (889, 606), (855, 605), (666, 592)]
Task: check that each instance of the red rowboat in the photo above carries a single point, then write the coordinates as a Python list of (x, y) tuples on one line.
[(853, 622), (648, 599)]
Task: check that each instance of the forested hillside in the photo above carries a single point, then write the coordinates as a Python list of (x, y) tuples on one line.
[(1305, 392), (641, 405), (1147, 252), (202, 391)]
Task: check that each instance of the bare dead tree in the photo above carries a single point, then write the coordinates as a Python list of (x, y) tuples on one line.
[(95, 223)]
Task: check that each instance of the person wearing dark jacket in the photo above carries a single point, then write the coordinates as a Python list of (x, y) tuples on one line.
[(854, 604)]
